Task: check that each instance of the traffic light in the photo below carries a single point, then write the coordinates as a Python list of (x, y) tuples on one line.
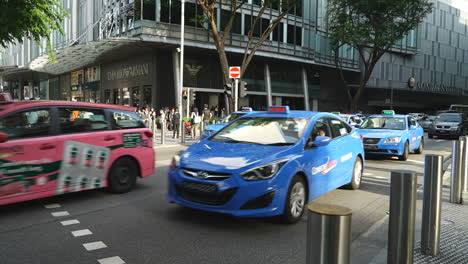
[(242, 89), (228, 87), (184, 94), (192, 97)]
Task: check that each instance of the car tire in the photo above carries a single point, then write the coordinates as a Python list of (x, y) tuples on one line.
[(420, 147), (357, 175), (405, 154), (431, 136), (295, 201), (122, 176)]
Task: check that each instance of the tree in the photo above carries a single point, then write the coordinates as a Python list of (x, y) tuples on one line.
[(254, 40), (372, 28), (34, 19)]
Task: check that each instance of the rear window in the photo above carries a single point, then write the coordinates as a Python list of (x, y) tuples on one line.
[(79, 120), (127, 120)]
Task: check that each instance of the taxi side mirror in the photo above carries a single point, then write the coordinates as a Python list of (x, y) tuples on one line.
[(412, 127), (3, 137), (318, 142)]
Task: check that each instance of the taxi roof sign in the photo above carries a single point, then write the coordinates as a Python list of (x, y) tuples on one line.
[(5, 98), (388, 112), (246, 109), (336, 113), (278, 109)]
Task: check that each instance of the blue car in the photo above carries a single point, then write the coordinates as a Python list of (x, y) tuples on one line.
[(267, 164), (392, 135), (211, 129)]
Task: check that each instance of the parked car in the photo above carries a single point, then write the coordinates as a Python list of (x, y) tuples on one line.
[(449, 124), (426, 122)]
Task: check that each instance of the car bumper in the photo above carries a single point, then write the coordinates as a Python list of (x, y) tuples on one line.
[(233, 196), (390, 149)]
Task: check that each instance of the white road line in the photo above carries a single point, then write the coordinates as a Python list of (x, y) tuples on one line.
[(112, 260), (439, 140), (367, 174), (94, 245), (415, 161), (380, 177), (52, 206), (163, 161), (70, 222), (62, 213), (83, 232)]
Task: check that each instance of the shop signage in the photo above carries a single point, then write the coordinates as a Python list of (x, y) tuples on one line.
[(438, 88), (77, 77), (93, 74), (128, 72)]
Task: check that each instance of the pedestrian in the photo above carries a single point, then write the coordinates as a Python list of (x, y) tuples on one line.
[(223, 112), (206, 115), (196, 119), (175, 122)]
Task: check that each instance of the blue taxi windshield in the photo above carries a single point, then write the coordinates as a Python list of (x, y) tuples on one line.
[(232, 116), (381, 122), (272, 131)]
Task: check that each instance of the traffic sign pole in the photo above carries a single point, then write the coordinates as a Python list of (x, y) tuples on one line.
[(236, 94)]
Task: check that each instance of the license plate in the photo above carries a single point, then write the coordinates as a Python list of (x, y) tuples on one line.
[(370, 147), (200, 187)]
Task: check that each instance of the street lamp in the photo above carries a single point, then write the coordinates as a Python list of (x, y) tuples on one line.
[(181, 70)]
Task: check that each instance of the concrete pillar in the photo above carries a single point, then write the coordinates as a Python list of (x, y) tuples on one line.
[(175, 70), (305, 85), (268, 85)]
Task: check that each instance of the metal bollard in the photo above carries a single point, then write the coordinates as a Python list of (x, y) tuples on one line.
[(464, 178), (328, 234), (163, 132), (457, 170), (182, 131), (430, 234), (201, 130), (153, 121), (402, 217)]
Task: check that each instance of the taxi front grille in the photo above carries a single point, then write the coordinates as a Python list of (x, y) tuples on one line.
[(371, 140), (206, 175), (443, 127), (204, 193)]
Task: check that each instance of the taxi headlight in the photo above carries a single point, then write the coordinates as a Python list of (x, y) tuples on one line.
[(454, 128), (175, 163), (393, 140), (263, 172)]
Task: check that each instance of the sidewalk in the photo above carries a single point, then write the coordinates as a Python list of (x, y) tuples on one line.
[(371, 247), (171, 142)]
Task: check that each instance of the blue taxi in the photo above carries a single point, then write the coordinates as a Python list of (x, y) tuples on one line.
[(392, 135), (211, 129), (268, 163)]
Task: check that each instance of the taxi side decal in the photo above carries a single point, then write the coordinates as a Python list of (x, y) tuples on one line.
[(346, 157), (325, 168)]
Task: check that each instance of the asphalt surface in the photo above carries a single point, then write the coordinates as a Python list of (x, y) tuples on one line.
[(142, 227)]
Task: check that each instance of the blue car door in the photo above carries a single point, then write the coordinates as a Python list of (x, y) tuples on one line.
[(413, 135), (320, 162), (342, 147)]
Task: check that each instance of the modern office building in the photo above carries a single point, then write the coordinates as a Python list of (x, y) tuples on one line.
[(126, 52)]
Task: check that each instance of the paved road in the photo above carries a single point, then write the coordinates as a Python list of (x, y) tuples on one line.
[(142, 227)]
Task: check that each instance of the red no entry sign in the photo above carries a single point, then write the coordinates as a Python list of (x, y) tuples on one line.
[(234, 72)]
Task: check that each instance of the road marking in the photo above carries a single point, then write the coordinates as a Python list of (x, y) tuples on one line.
[(367, 174), (62, 213), (94, 245), (439, 140), (416, 161), (52, 206), (380, 177), (112, 260), (163, 161), (83, 232), (70, 222)]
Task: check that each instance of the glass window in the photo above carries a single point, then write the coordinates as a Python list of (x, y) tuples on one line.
[(278, 34), (125, 96), (339, 128), (80, 120), (28, 124), (236, 27), (321, 129), (165, 11), (146, 96), (126, 120), (107, 94), (290, 34), (263, 131), (394, 123), (412, 122), (449, 118), (136, 96), (175, 12)]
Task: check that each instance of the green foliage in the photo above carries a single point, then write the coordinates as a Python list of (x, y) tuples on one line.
[(34, 19), (374, 23)]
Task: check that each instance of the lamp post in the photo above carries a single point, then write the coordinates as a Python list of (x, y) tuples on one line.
[(181, 70)]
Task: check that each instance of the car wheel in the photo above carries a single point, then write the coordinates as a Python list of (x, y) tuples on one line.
[(122, 176), (431, 136), (421, 147), (405, 153), (357, 175), (295, 201)]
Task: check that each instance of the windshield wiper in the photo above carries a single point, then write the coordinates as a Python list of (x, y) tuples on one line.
[(279, 144)]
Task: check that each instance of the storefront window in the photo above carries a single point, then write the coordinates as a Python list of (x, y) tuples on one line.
[(116, 96), (107, 96), (125, 97), (147, 95), (136, 96), (286, 78)]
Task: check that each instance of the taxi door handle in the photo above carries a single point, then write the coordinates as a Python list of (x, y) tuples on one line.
[(109, 138), (46, 146)]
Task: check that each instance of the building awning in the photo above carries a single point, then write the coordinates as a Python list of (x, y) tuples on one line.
[(78, 56)]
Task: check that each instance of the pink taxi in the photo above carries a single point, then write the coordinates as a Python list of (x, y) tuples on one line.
[(49, 148)]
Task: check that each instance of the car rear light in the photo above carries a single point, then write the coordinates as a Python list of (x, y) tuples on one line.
[(149, 134)]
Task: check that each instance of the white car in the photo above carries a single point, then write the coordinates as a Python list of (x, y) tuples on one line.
[(352, 120)]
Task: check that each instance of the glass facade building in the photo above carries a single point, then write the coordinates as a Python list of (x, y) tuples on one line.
[(295, 65)]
